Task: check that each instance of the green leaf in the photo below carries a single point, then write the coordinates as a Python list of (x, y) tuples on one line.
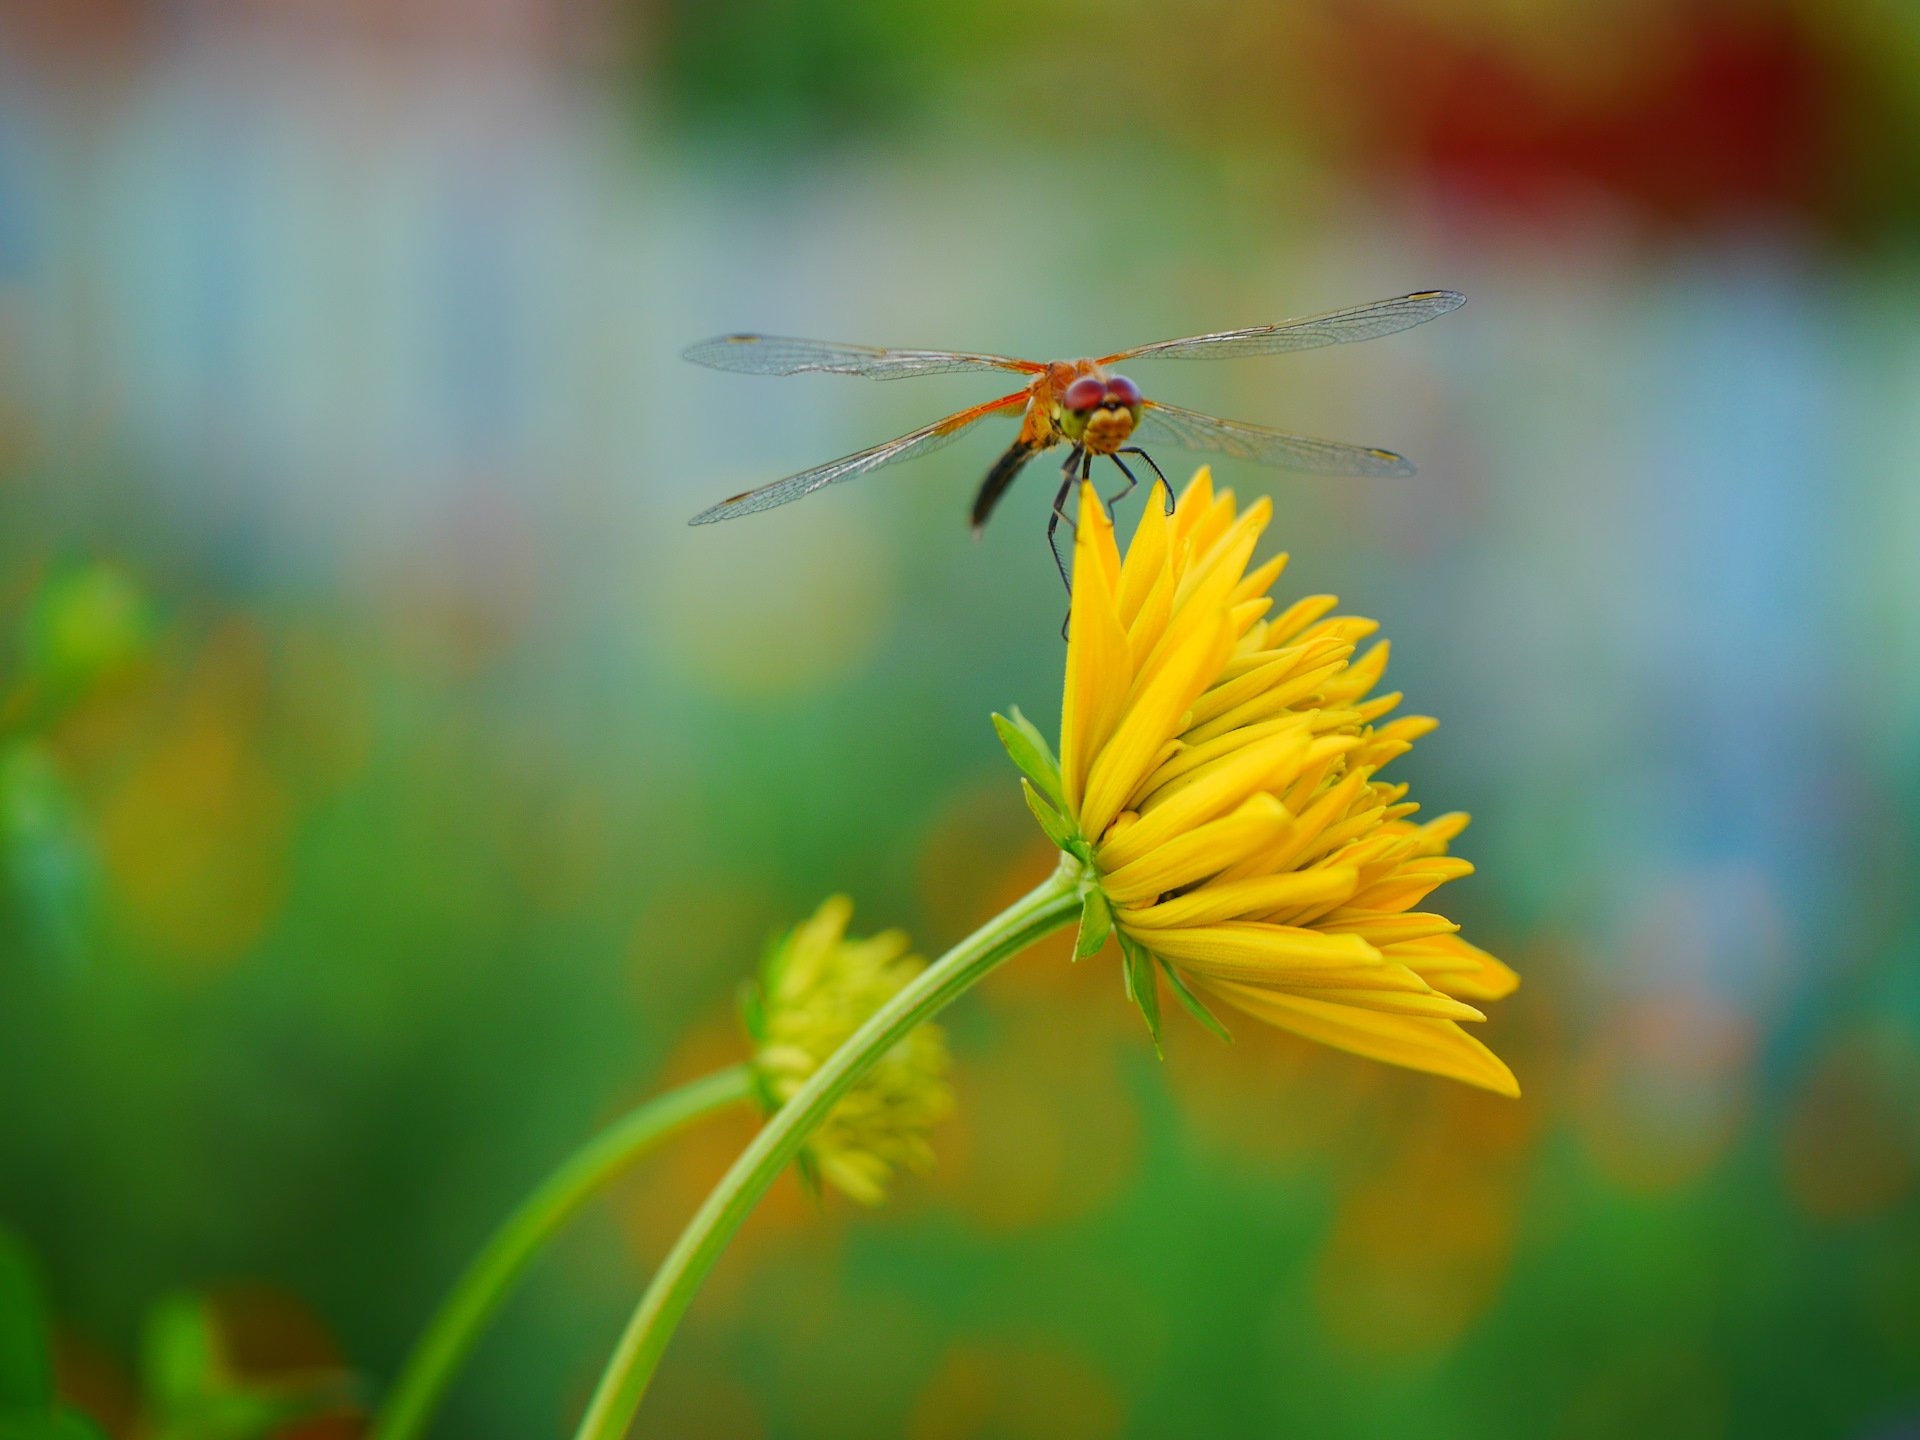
[(1028, 749), (1143, 985), (191, 1392), (26, 1366), (1059, 829), (180, 1354), (1096, 923), (1196, 1007), (257, 1411), (53, 1425), (70, 1424)]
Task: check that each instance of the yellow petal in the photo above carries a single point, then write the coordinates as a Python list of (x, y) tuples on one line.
[(1198, 853), (1449, 963), (1354, 628), (1094, 527), (1196, 519), (1099, 672), (1375, 706), (1443, 830), (1407, 885), (1245, 615), (1237, 949), (1259, 580), (1237, 690), (1386, 929), (1149, 624), (1328, 810), (1287, 625), (1212, 903), (1150, 722), (1384, 1001), (1207, 794), (1439, 1047), (1188, 757), (1217, 569), (1265, 703), (1147, 556), (1362, 675)]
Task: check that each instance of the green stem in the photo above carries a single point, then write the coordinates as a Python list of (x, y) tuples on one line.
[(480, 1291), (624, 1382)]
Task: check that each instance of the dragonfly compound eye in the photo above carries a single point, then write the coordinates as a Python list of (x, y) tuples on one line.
[(1084, 393), (1123, 391)]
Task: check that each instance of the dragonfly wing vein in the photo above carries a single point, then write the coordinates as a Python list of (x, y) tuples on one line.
[(907, 447), (784, 355), (1338, 327), (1192, 430)]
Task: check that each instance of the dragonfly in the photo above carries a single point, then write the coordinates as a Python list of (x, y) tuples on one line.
[(1082, 404)]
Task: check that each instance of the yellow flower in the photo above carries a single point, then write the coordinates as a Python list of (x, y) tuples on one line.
[(816, 988), (1218, 777)]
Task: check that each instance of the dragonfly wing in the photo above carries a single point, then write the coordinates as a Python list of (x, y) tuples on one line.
[(1191, 430), (907, 447), (1363, 322), (780, 355)]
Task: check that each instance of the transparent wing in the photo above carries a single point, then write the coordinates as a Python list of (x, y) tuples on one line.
[(1363, 322), (780, 355), (1191, 430), (907, 447)]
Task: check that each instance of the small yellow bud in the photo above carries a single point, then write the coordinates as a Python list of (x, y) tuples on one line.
[(816, 988)]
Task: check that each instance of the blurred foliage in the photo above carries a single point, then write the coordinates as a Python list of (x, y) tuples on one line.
[(798, 76), (84, 627), (189, 1389), (192, 1391), (1695, 113)]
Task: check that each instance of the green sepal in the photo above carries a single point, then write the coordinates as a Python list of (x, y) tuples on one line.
[(753, 1019), (1196, 1007), (753, 1011), (1096, 924), (1059, 829), (762, 1088), (1028, 749), (1143, 986), (808, 1170)]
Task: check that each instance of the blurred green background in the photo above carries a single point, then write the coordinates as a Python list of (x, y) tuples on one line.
[(392, 788)]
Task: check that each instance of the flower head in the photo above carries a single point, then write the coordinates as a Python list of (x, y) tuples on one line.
[(1218, 776), (816, 988)]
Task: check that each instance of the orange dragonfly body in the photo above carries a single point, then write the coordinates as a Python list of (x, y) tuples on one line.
[(1082, 404)]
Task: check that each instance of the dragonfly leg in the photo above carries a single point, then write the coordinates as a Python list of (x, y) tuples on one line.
[(1136, 450), (1119, 495), (1076, 462), (1053, 528), (1067, 479)]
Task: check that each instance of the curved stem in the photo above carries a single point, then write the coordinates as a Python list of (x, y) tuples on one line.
[(478, 1294), (624, 1382)]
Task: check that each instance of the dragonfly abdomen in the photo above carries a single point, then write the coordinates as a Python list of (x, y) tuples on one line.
[(1002, 475)]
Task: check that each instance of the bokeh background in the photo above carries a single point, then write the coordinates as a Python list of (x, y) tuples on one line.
[(392, 788)]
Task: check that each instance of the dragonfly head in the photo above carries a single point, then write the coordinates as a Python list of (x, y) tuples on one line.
[(1100, 411)]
